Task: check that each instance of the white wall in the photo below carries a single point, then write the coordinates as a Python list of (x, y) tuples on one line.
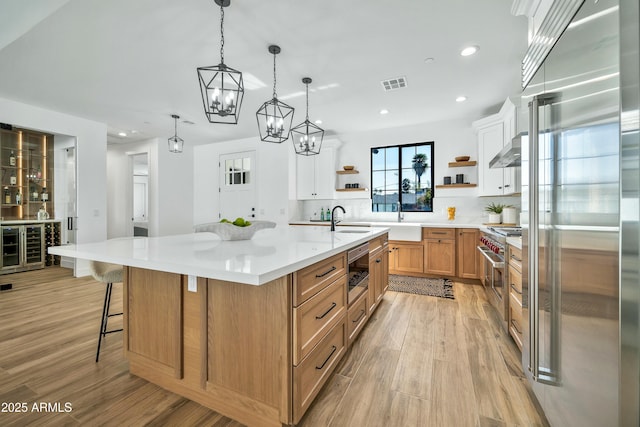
[(170, 188), (451, 138), (91, 140), (272, 184)]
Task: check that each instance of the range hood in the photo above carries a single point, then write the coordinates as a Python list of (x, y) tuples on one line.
[(509, 156)]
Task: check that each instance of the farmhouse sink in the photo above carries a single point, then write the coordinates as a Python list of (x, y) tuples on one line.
[(410, 231)]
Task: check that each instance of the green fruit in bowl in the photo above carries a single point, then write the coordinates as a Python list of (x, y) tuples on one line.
[(239, 222), (247, 223), (223, 220)]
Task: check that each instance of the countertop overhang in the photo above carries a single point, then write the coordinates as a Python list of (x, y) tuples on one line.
[(270, 254)]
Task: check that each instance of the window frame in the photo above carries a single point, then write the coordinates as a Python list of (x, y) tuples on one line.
[(400, 177)]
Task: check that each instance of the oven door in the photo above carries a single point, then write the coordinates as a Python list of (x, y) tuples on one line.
[(493, 271)]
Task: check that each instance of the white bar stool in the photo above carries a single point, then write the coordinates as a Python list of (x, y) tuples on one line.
[(109, 274)]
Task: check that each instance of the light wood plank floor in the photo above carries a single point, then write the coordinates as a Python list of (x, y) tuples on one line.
[(421, 361)]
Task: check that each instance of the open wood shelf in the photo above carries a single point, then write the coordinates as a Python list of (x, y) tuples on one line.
[(456, 185), (462, 164), (351, 189), (351, 172)]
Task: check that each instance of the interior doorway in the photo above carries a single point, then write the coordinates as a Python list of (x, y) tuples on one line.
[(140, 194)]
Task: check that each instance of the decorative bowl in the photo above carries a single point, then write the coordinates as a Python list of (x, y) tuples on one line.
[(348, 167), (462, 158), (228, 231)]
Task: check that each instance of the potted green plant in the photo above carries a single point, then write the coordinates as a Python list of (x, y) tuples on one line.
[(495, 212)]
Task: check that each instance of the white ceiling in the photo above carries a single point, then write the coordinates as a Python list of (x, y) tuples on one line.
[(131, 64)]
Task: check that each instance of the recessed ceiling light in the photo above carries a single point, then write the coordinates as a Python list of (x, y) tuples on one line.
[(461, 99), (122, 134), (133, 131), (384, 111), (429, 60), (470, 50), (318, 122)]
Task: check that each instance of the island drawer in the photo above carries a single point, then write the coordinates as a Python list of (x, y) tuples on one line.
[(314, 318), (378, 242), (438, 233), (357, 317), (310, 280), (313, 372)]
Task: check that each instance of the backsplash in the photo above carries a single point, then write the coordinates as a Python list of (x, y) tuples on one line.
[(469, 210)]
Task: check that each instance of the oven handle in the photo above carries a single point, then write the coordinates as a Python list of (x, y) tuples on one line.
[(490, 255)]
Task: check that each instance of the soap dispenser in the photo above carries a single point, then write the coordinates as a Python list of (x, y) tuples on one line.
[(321, 214), (327, 216)]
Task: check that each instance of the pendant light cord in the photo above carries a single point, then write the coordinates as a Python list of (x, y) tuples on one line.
[(274, 77), (175, 127), (221, 34), (307, 101)]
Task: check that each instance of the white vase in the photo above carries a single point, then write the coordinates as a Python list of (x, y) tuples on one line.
[(509, 216), (494, 218)]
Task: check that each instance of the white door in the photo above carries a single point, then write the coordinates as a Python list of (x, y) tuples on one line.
[(237, 192)]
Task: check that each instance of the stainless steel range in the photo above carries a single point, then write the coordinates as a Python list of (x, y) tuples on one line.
[(493, 242)]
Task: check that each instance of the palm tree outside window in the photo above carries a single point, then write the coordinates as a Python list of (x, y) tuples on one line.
[(402, 173)]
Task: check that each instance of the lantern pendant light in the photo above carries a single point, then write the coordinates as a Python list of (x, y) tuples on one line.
[(274, 116), (175, 142), (221, 86), (307, 136)]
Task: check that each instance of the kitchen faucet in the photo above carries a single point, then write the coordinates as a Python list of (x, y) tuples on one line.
[(400, 216), (333, 217)]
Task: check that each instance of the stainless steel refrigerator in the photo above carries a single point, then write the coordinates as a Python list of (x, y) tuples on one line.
[(571, 167)]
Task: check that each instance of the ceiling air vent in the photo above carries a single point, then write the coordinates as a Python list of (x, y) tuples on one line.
[(395, 83)]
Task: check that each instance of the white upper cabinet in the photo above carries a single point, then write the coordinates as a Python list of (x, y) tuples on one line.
[(494, 132), (316, 175)]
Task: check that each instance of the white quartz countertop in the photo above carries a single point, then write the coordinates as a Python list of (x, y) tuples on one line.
[(515, 241), (363, 223), (270, 254)]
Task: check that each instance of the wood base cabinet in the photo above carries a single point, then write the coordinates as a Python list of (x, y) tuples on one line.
[(406, 257), (514, 277), (468, 255), (439, 251)]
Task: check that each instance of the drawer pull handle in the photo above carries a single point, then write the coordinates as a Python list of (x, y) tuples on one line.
[(515, 326), (438, 232), (333, 305), (515, 258), (326, 272), (359, 317), (333, 350), (515, 289)]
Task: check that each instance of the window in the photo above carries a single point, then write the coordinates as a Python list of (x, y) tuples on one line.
[(402, 173), (237, 171)]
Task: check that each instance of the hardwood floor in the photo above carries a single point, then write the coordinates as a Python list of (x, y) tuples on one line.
[(420, 361)]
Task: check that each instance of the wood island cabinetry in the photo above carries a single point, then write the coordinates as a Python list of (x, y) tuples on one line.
[(257, 354)]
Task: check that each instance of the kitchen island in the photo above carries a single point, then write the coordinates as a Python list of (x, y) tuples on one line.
[(251, 329)]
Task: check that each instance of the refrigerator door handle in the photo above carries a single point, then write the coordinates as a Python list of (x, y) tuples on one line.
[(533, 237), (542, 374)]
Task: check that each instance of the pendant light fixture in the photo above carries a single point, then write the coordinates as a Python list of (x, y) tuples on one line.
[(274, 117), (175, 142), (221, 86), (307, 136)]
